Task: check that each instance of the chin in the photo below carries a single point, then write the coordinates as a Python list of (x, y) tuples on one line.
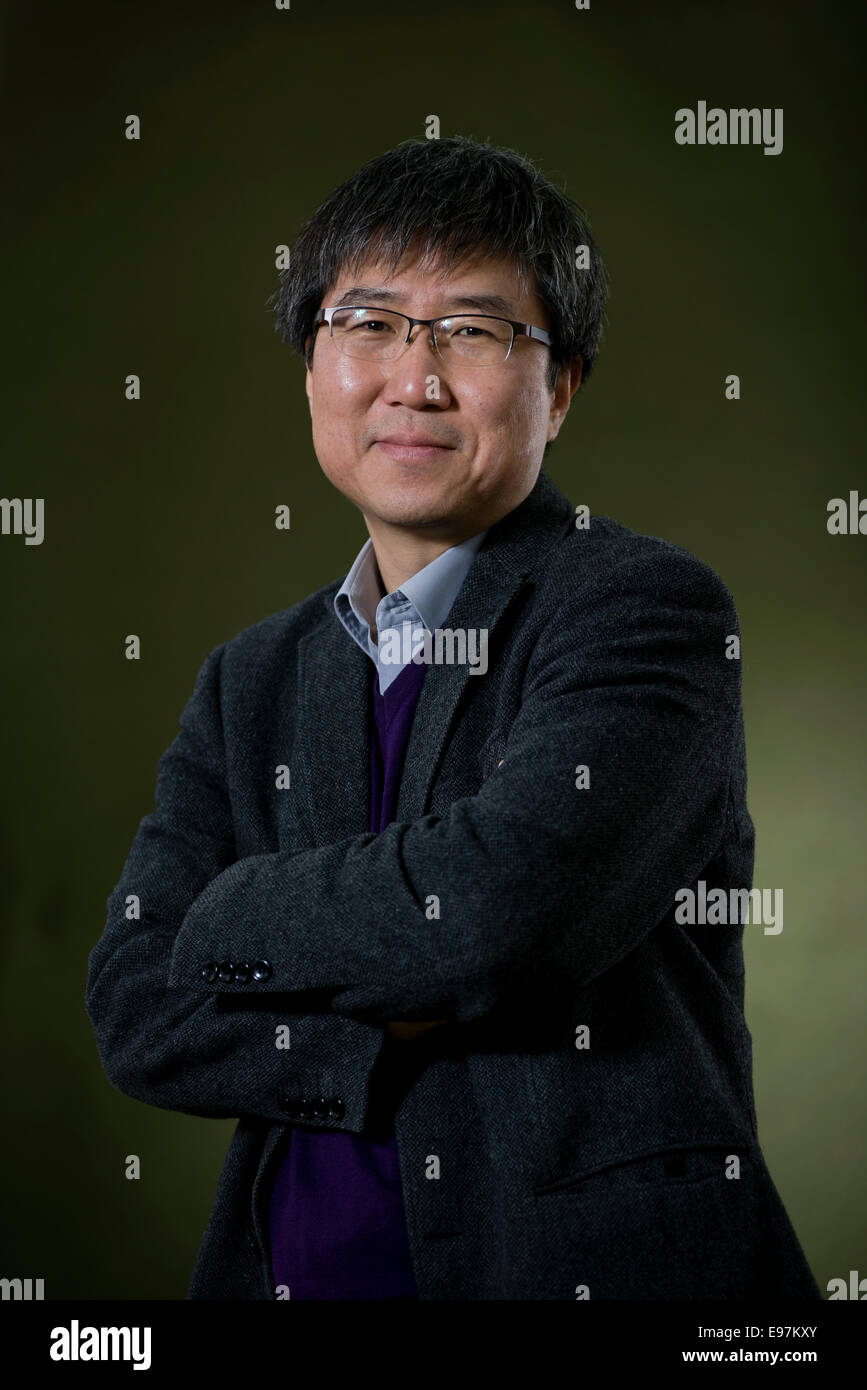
[(413, 516)]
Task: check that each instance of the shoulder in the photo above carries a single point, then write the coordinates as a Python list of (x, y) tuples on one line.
[(284, 628), (613, 606), (607, 563), (268, 647)]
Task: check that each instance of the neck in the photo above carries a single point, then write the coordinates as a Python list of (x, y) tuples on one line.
[(400, 553)]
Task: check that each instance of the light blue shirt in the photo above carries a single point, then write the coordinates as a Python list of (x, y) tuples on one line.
[(424, 601)]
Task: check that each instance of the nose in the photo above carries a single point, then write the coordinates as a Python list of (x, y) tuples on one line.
[(419, 333), (416, 377)]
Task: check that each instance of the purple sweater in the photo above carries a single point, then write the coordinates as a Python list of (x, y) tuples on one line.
[(337, 1222)]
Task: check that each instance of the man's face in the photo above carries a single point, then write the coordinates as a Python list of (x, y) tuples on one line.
[(491, 423)]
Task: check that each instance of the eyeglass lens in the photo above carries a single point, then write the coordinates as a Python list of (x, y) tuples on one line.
[(380, 335)]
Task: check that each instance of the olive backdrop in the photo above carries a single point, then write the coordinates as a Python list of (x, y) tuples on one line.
[(156, 257)]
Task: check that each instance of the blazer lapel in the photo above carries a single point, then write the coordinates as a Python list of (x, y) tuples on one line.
[(500, 572), (335, 695), (335, 680)]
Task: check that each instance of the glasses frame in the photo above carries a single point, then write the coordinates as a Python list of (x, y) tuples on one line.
[(528, 330)]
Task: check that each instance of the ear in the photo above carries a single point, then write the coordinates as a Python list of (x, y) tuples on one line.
[(568, 381), (573, 371)]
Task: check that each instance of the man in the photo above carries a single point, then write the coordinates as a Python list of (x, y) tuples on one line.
[(450, 885)]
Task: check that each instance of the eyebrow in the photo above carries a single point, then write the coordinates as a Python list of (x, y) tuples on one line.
[(485, 303)]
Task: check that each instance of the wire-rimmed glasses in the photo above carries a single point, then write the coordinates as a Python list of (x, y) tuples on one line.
[(381, 335)]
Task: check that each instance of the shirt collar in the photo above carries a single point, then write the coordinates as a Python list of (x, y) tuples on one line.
[(431, 591)]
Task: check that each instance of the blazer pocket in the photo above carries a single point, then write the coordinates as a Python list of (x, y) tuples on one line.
[(683, 1166)]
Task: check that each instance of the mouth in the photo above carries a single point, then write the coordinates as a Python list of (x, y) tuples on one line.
[(406, 448)]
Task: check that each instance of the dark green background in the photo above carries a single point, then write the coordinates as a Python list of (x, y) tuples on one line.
[(157, 258)]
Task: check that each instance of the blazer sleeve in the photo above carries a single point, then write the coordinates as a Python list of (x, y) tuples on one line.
[(183, 1047), (533, 884)]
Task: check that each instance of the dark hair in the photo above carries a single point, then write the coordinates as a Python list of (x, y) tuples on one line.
[(453, 199)]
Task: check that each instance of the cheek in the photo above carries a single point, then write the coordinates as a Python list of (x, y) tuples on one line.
[(332, 406), (342, 393), (514, 413), (329, 431)]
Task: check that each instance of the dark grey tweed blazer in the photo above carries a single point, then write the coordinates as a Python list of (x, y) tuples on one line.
[(560, 1167)]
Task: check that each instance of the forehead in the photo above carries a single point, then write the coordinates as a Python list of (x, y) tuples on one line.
[(418, 277)]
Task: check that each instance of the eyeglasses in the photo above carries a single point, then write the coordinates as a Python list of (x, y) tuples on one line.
[(381, 335)]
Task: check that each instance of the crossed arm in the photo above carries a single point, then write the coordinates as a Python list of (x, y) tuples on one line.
[(538, 882)]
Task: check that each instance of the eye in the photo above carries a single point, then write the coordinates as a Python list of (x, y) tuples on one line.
[(472, 329), (372, 324)]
